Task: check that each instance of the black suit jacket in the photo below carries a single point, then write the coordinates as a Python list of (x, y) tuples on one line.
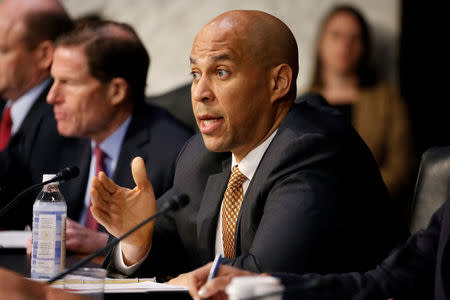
[(419, 270), (152, 134), (18, 153), (31, 125), (316, 203)]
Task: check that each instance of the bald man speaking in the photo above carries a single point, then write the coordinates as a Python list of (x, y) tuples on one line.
[(273, 185)]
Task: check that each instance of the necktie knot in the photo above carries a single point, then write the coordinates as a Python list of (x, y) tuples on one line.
[(236, 178)]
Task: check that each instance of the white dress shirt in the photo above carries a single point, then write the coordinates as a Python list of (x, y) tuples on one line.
[(247, 166)]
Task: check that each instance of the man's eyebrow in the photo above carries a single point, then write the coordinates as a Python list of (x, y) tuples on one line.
[(221, 57), (214, 58)]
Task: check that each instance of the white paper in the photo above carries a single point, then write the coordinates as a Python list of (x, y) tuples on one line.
[(141, 287), (14, 238), (134, 287)]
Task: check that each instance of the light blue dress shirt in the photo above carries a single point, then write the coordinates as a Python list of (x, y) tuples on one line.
[(111, 147), (23, 104)]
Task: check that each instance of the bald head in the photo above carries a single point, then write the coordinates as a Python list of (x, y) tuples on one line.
[(266, 37), (39, 20), (27, 31), (18, 9), (23, 7)]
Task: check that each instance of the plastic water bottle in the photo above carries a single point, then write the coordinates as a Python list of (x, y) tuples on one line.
[(49, 231)]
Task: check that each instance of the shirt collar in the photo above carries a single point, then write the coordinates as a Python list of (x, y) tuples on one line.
[(112, 145), (23, 104), (250, 162)]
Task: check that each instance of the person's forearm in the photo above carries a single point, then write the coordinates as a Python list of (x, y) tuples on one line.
[(132, 252)]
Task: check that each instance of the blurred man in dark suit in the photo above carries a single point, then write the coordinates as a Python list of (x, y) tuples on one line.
[(100, 71), (100, 122), (27, 33)]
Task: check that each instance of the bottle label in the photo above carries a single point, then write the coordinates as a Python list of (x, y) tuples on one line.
[(48, 242)]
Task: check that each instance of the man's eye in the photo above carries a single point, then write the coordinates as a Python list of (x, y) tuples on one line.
[(222, 72), (195, 75)]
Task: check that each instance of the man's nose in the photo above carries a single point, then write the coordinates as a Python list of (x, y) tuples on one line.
[(201, 90)]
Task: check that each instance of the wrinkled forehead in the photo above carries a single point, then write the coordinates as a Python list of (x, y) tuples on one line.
[(221, 37), (11, 29)]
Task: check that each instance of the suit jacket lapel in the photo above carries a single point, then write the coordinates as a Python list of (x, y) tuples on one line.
[(251, 209), (37, 110), (76, 152), (135, 140), (209, 210)]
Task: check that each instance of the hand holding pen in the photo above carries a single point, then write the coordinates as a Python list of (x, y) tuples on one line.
[(212, 279), (215, 267)]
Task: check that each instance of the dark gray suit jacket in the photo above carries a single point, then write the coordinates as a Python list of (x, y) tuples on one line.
[(316, 203), (419, 270)]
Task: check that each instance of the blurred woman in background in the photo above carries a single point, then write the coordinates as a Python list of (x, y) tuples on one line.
[(346, 78)]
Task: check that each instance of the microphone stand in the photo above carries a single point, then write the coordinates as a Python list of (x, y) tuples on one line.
[(175, 203), (64, 175)]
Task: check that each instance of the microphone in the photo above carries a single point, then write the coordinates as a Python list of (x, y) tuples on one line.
[(174, 204), (64, 175)]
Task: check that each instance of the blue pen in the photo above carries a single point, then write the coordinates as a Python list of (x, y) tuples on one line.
[(215, 267)]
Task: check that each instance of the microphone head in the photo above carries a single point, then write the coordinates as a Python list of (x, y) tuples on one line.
[(179, 201), (68, 173)]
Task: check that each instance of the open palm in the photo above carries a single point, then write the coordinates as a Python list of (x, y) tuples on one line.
[(119, 209)]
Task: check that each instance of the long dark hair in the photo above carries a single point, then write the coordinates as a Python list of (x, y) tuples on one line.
[(364, 70)]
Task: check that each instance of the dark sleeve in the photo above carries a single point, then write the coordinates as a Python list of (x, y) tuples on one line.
[(166, 255), (14, 178), (407, 274)]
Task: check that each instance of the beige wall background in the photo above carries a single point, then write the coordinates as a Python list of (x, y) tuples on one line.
[(167, 28)]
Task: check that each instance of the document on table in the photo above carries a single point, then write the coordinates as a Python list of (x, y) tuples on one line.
[(131, 285), (139, 287), (14, 239)]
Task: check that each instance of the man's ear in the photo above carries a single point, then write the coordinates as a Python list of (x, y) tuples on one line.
[(281, 80), (117, 90), (44, 54)]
